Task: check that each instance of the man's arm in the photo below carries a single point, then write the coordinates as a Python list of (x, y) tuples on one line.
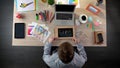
[(46, 54), (81, 51), (47, 48)]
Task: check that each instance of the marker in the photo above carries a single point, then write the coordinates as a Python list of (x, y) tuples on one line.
[(93, 28), (90, 25), (44, 16), (40, 16), (23, 5), (37, 16), (87, 25)]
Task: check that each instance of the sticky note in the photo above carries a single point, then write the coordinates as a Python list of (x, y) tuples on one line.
[(96, 23)]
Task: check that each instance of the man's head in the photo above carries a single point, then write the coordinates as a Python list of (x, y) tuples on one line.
[(66, 52)]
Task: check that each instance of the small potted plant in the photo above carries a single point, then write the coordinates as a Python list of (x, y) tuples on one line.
[(51, 2)]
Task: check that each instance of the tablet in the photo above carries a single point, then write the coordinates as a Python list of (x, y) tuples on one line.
[(64, 32), (19, 30)]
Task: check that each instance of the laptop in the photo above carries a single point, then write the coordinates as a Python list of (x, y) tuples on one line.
[(64, 14)]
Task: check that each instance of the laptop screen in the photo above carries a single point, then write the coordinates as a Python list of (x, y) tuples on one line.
[(64, 8)]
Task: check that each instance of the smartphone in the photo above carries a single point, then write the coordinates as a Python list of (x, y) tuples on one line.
[(100, 37), (19, 30)]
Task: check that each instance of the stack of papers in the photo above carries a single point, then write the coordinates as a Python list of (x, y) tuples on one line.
[(39, 31), (25, 5)]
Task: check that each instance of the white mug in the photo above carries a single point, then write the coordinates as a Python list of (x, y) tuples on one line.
[(83, 18)]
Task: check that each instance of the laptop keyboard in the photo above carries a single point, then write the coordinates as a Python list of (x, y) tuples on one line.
[(63, 16)]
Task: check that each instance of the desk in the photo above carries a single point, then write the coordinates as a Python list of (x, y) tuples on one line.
[(86, 34)]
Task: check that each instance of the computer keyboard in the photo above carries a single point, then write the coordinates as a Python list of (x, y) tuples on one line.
[(63, 16)]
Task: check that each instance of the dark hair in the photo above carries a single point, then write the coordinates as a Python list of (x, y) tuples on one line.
[(66, 52)]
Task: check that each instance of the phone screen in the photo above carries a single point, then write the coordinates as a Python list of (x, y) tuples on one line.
[(19, 30), (100, 37)]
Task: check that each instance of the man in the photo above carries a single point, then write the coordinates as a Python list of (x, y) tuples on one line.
[(65, 57)]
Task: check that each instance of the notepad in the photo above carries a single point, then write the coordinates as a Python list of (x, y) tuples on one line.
[(26, 5)]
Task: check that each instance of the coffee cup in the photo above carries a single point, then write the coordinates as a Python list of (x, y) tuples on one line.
[(83, 18)]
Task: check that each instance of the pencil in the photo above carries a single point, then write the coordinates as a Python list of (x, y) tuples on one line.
[(52, 18)]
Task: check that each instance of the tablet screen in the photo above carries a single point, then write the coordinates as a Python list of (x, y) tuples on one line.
[(65, 32), (19, 30)]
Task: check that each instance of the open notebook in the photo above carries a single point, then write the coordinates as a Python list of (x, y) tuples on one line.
[(25, 5)]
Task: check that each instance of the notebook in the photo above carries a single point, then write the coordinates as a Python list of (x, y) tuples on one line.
[(25, 5)]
